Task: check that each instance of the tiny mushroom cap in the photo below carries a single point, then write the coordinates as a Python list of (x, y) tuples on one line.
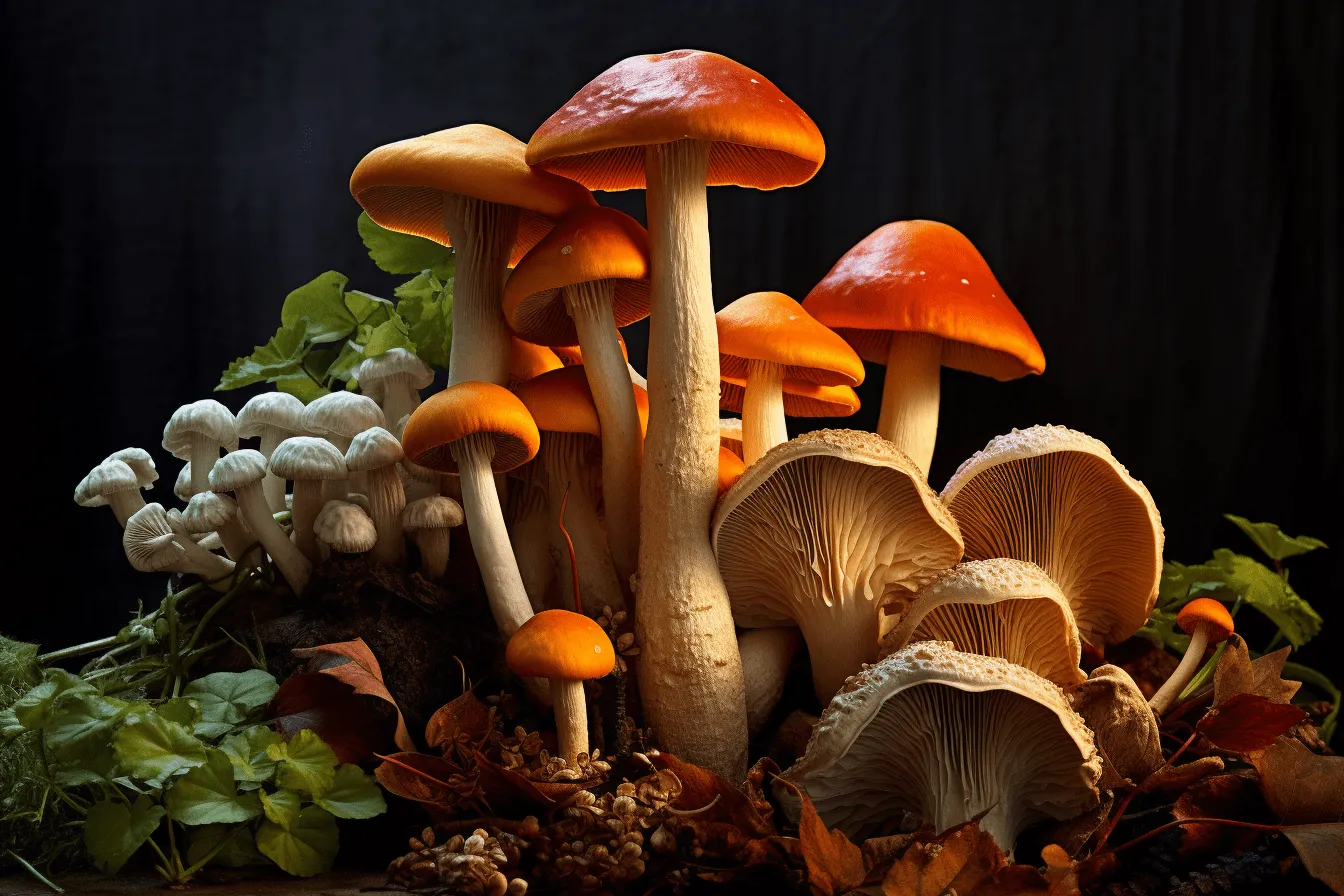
[(1057, 498), (372, 449), (1209, 613), (468, 409), (560, 401), (731, 469), (105, 481), (196, 432), (527, 361), (182, 487), (560, 644), (345, 528), (801, 399), (772, 328), (433, 512), (139, 460), (342, 415), (1207, 622), (207, 512), (305, 458), (271, 413), (149, 540)]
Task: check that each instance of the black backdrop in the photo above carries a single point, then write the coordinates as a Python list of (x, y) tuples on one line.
[(1157, 186)]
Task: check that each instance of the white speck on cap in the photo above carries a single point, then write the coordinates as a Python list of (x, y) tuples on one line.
[(964, 280), (566, 250)]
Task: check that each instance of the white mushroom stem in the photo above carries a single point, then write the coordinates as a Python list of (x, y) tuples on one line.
[(482, 234), (199, 561), (690, 672), (204, 453), (766, 656), (125, 504), (308, 501), (571, 718), (910, 395), (564, 457), (763, 425), (254, 509), (235, 539), (608, 376), (339, 489), (434, 543), (1190, 663), (531, 541), (387, 499), (273, 486)]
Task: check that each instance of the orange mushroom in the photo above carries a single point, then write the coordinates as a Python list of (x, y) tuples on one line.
[(527, 361), (731, 469), (801, 399), (1207, 622)]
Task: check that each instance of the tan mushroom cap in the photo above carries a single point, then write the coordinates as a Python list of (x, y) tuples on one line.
[(944, 736), (345, 528), (771, 327), (207, 511), (432, 512), (1057, 498), (277, 410), (207, 419), (373, 373), (1005, 608), (372, 449), (140, 461), (801, 398), (104, 481), (467, 409)]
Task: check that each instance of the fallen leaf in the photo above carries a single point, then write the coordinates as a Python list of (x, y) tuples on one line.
[(353, 663), (1219, 796), (834, 864), (758, 776), (1179, 777), (1248, 722), (1299, 786), (1237, 673), (1321, 849), (963, 860), (332, 711), (700, 788), (1123, 725), (464, 719), (508, 792), (879, 851), (418, 776)]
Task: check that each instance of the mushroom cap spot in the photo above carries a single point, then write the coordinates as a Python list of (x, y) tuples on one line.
[(108, 478), (373, 373), (345, 528), (468, 409), (235, 470), (432, 512), (926, 277), (139, 460), (770, 326), (207, 418), (207, 511), (588, 245), (1209, 612), (561, 401), (372, 449), (271, 410), (1005, 608), (527, 360), (759, 137), (401, 185), (731, 469), (343, 414), (308, 458), (1057, 498), (945, 735), (148, 540), (801, 398), (560, 644)]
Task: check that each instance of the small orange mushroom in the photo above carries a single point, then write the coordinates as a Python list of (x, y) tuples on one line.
[(1207, 622)]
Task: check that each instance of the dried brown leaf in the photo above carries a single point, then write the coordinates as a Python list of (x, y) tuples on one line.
[(1220, 796), (701, 788), (1248, 722), (1179, 777), (353, 663), (417, 776), (333, 711), (1299, 786), (1124, 728), (834, 864), (758, 778), (1321, 849), (464, 717), (1237, 673), (963, 860), (882, 851)]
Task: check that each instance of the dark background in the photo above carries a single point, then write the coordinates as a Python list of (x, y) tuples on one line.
[(1157, 186)]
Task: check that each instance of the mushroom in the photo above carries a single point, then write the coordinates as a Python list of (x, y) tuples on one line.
[(765, 338), (585, 279), (731, 469), (801, 399), (195, 433), (946, 736), (475, 430), (567, 648), (819, 533), (394, 380), (572, 355), (527, 361), (428, 520), (730, 428), (345, 528), (1207, 622), (112, 483), (152, 545), (468, 187), (339, 417), (1057, 498), (530, 525), (309, 462), (1004, 608), (563, 409), (208, 512), (243, 473), (376, 453), (766, 656), (917, 296), (182, 487), (140, 462), (271, 417)]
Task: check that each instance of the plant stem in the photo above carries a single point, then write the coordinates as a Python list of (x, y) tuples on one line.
[(66, 653), (1162, 829), (191, 872), (33, 871), (1119, 813)]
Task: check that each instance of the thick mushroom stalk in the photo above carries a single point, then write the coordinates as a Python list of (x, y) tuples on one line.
[(529, 535), (376, 453), (482, 235), (489, 535), (571, 718), (1206, 621), (243, 473), (763, 425), (910, 396), (766, 656)]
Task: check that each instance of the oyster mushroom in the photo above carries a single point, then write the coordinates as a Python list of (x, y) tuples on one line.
[(376, 453), (152, 545), (429, 521), (308, 462), (271, 417), (112, 483), (243, 472), (196, 432)]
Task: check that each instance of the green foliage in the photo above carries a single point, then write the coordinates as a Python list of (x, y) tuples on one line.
[(401, 253), (1271, 541), (114, 831), (305, 847)]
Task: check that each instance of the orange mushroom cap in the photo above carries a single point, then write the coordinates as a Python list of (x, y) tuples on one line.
[(527, 361), (570, 355), (561, 401), (401, 185), (589, 244), (770, 326), (469, 409), (1209, 612), (926, 277), (759, 137), (642, 408), (560, 644), (731, 469), (801, 398)]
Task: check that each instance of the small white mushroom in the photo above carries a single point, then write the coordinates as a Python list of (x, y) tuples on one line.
[(195, 433), (139, 460), (271, 417), (112, 483), (339, 417), (308, 462), (393, 379), (428, 521), (208, 512), (345, 528), (152, 545), (182, 487), (242, 473), (375, 453)]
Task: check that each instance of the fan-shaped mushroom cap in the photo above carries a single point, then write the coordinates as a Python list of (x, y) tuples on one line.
[(372, 449), (206, 419), (771, 327), (342, 414), (1004, 608), (527, 361), (308, 458), (373, 373), (109, 478), (944, 736), (345, 528), (730, 428), (561, 401), (801, 398), (819, 533), (140, 461), (207, 512), (277, 411), (238, 469), (433, 512), (1057, 498), (469, 409), (148, 540), (560, 644)]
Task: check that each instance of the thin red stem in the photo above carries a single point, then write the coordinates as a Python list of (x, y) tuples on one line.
[(1162, 829), (1129, 797)]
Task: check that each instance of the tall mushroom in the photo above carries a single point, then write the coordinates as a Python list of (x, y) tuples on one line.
[(468, 187), (195, 433), (800, 399), (766, 656), (765, 338), (1207, 622), (585, 279), (673, 124), (375, 453), (112, 483), (394, 380), (945, 736), (308, 462), (819, 533), (243, 472), (271, 417), (429, 522), (917, 296), (1057, 498), (476, 430), (151, 545)]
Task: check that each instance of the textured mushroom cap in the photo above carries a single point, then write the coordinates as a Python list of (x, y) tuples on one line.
[(1209, 612), (401, 185), (237, 469), (308, 458), (731, 469), (372, 373), (770, 326), (587, 245), (560, 644), (925, 277), (433, 512), (1122, 723), (759, 137), (182, 487), (1004, 608), (561, 401), (730, 428), (371, 449), (207, 511), (801, 398), (271, 410), (345, 528), (343, 414), (148, 540), (471, 409), (1059, 499), (527, 361), (108, 478), (140, 461), (944, 736), (206, 417)]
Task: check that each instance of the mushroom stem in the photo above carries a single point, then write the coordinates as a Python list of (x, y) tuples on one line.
[(608, 375), (399, 397), (255, 510), (910, 394), (434, 544), (1194, 656), (339, 489), (690, 672), (531, 544), (273, 486), (563, 456), (201, 562), (125, 504), (235, 539), (763, 424), (838, 644), (387, 499), (204, 453), (766, 656), (571, 718), (482, 234), (308, 503)]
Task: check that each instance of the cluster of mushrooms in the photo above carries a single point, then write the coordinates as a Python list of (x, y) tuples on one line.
[(944, 631)]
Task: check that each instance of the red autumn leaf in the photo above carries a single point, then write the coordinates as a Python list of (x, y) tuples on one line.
[(332, 711), (465, 716), (353, 663), (1248, 722), (834, 864), (964, 860), (1220, 796), (701, 789), (417, 776)]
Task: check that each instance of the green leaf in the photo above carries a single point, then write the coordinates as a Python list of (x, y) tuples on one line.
[(207, 795), (428, 320), (1310, 676), (153, 749), (279, 357), (1228, 576), (392, 333), (1161, 629), (306, 763), (247, 754), (401, 253), (367, 310), (236, 846), (182, 710), (344, 364), (306, 847), (10, 726), (424, 286), (79, 722), (301, 386), (33, 709), (282, 807), (318, 306), (227, 698), (1270, 539), (114, 831), (352, 795)]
